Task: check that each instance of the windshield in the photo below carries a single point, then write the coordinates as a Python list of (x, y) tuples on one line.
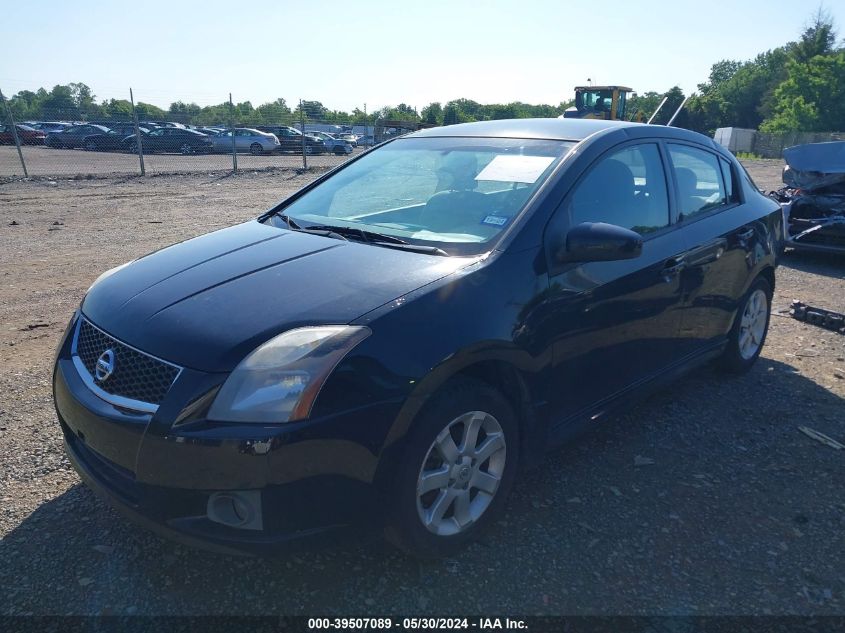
[(458, 194)]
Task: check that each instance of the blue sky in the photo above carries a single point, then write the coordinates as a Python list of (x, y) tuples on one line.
[(383, 52)]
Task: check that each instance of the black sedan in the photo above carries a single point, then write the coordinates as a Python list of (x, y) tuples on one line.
[(290, 139), (113, 140), (73, 136), (171, 139), (392, 344)]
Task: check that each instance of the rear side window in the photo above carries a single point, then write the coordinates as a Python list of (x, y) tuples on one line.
[(698, 175), (627, 188), (728, 175)]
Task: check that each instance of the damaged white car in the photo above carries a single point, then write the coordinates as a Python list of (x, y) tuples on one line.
[(813, 199)]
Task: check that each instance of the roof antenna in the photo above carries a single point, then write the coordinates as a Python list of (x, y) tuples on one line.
[(654, 114), (680, 107)]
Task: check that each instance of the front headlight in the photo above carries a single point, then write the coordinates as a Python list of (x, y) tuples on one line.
[(279, 381)]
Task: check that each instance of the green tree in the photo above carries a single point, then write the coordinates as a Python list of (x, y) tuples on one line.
[(812, 97), (432, 113), (147, 111), (117, 109), (313, 110), (818, 38), (450, 114)]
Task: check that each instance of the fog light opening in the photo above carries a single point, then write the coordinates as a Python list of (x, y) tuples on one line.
[(237, 509)]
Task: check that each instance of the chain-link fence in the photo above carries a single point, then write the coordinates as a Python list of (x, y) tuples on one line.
[(132, 140)]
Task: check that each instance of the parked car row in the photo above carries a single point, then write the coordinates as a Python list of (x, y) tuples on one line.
[(164, 136), (26, 135)]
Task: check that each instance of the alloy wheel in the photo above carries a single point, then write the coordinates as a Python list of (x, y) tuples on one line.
[(461, 473), (186, 149), (752, 328)]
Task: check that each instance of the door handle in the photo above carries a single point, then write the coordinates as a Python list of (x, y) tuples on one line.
[(672, 268)]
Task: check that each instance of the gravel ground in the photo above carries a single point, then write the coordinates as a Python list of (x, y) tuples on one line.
[(704, 499)]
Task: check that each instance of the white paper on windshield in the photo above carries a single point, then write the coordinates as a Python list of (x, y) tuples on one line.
[(525, 169)]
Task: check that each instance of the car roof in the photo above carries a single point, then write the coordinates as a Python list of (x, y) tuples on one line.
[(562, 130), (556, 129)]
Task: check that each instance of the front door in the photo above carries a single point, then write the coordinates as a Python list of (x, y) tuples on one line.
[(616, 324)]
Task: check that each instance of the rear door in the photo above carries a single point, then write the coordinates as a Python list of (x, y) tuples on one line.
[(243, 139), (155, 141), (617, 322), (723, 236)]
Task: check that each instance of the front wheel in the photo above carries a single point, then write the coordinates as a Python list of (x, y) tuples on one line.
[(91, 146), (186, 149), (746, 338), (459, 466), (255, 149)]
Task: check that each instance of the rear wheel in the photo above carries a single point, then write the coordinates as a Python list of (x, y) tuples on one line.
[(459, 466), (746, 338), (255, 149)]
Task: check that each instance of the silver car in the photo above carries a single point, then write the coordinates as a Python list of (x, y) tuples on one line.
[(246, 140), (333, 145)]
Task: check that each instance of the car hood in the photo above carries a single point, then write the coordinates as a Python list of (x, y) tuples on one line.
[(207, 302)]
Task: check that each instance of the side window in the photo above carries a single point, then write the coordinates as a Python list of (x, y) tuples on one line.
[(627, 188), (728, 176), (699, 178)]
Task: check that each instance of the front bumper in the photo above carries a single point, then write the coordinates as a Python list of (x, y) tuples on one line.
[(311, 477)]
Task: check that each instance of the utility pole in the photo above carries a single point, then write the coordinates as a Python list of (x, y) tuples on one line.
[(14, 133), (232, 127), (302, 129), (137, 132)]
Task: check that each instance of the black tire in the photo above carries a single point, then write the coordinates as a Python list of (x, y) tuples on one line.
[(405, 528), (90, 146), (339, 151), (733, 360), (186, 149), (255, 149)]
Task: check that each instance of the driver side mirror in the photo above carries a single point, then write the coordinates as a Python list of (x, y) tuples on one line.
[(598, 242)]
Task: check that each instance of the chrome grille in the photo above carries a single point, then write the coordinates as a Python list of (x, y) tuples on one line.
[(136, 377)]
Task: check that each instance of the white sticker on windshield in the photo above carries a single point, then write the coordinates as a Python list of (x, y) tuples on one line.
[(508, 168)]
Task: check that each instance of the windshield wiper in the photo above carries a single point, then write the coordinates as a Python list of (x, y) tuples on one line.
[(316, 230), (370, 237), (352, 231), (415, 248), (290, 222), (380, 239)]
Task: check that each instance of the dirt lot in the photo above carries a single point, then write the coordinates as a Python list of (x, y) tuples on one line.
[(739, 513), (46, 161)]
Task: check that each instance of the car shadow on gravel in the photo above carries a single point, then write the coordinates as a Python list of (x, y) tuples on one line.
[(826, 264), (704, 499)]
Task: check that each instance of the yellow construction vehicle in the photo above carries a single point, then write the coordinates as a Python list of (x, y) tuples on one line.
[(599, 102)]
